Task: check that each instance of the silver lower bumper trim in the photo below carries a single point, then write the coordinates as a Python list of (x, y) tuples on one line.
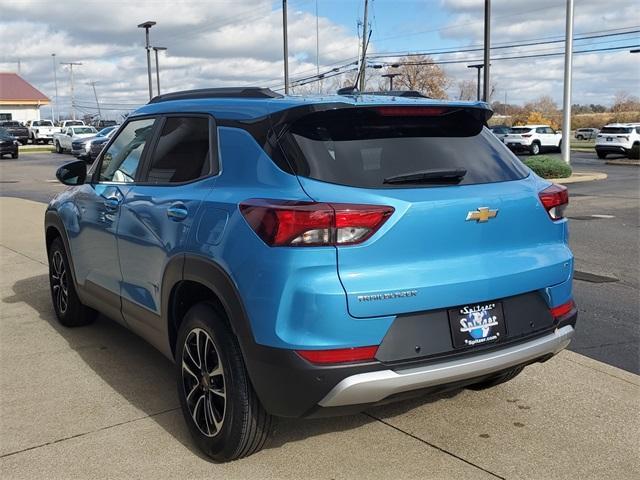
[(375, 386)]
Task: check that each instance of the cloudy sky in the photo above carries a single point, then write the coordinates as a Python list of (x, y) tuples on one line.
[(239, 42)]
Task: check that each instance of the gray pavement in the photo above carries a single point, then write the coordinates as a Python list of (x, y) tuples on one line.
[(98, 402)]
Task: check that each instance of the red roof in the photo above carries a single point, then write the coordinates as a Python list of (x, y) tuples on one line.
[(14, 88)]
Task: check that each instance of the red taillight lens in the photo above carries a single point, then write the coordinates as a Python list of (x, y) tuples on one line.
[(411, 111), (306, 224), (563, 309), (525, 135), (555, 200), (340, 355)]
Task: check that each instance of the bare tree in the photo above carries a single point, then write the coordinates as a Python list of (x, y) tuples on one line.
[(421, 74), (467, 90), (544, 105), (625, 102)]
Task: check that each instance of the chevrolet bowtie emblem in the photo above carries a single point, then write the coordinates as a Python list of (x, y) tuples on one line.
[(482, 214)]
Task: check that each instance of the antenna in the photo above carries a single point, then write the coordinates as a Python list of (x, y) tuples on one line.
[(354, 88)]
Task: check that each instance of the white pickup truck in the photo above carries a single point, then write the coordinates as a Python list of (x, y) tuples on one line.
[(63, 140), (533, 139), (41, 131)]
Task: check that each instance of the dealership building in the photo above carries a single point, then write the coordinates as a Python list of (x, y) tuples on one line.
[(19, 100)]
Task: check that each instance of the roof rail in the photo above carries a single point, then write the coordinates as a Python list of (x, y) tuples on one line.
[(226, 92)]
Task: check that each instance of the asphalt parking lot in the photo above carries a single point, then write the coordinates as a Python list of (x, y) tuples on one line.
[(98, 402)]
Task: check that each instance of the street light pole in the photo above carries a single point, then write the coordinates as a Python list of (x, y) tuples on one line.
[(156, 49), (73, 102), (55, 82), (566, 98), (147, 26), (478, 67), (285, 47), (391, 76), (487, 49)]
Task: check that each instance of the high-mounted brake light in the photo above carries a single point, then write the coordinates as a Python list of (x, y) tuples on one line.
[(309, 224), (411, 111), (555, 200), (561, 310), (340, 355)]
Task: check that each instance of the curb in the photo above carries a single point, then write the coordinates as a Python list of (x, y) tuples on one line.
[(580, 177), (630, 163)]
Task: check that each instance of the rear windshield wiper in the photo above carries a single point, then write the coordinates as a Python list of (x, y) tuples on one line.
[(435, 175)]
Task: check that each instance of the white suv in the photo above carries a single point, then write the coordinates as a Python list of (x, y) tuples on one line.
[(533, 138), (621, 138)]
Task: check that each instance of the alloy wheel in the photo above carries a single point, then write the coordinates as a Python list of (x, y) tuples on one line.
[(59, 283), (204, 382)]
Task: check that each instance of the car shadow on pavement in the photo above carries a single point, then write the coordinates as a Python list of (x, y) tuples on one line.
[(145, 378)]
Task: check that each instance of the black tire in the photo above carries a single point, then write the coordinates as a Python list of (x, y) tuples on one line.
[(14, 155), (560, 146), (601, 155), (534, 149), (58, 147), (502, 377), (69, 310), (580, 137), (634, 153), (237, 425)]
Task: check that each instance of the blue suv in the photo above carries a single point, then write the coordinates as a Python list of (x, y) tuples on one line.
[(310, 256)]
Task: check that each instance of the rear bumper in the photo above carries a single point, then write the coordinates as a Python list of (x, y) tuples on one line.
[(374, 387), (612, 149)]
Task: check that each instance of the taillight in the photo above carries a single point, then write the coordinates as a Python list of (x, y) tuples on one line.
[(555, 200), (307, 224), (561, 310), (340, 355), (526, 135)]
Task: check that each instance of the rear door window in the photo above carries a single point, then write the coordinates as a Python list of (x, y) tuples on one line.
[(362, 147), (183, 151)]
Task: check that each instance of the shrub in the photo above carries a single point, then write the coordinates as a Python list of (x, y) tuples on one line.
[(548, 167)]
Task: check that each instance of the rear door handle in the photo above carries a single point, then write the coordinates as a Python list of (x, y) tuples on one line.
[(112, 203), (177, 212)]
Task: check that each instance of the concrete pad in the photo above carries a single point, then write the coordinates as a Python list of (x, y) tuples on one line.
[(577, 177), (22, 227), (571, 417)]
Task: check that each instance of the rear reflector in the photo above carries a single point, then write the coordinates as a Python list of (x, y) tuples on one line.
[(307, 224), (412, 111), (340, 355), (563, 309), (555, 200)]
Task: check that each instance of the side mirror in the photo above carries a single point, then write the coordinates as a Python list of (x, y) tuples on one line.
[(74, 173)]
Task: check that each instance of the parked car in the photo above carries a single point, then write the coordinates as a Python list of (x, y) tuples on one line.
[(70, 123), (586, 133), (310, 256), (65, 139), (81, 147), (622, 138), (533, 139), (500, 131), (98, 143), (41, 131), (16, 129), (8, 144), (100, 124)]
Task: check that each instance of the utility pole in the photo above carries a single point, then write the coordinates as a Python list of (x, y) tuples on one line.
[(147, 26), (73, 103), (156, 49), (318, 49), (55, 82), (285, 47), (364, 46), (93, 84), (477, 66), (566, 98), (487, 49)]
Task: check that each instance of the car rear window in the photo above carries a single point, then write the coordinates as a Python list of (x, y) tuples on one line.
[(362, 147), (43, 123), (520, 130), (616, 130), (10, 124)]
